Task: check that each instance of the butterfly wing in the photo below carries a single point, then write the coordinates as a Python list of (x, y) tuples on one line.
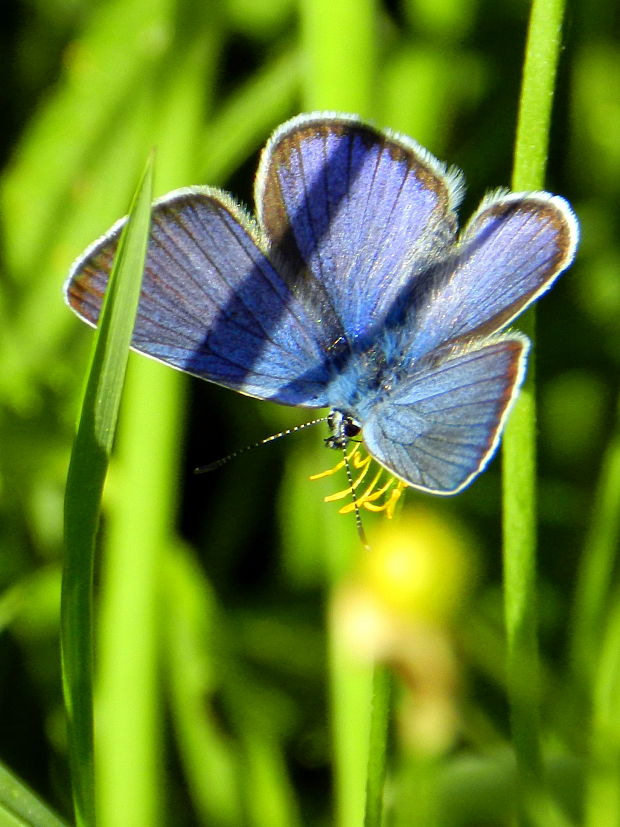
[(213, 304), (439, 427), (361, 211), (512, 251)]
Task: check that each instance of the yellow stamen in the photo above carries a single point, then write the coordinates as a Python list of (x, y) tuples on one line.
[(389, 504), (336, 467), (390, 490), (363, 498)]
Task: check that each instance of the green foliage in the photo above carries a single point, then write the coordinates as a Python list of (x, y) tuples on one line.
[(226, 693)]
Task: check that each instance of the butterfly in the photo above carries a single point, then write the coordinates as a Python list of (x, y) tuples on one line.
[(352, 290)]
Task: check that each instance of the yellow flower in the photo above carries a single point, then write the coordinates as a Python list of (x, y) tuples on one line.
[(419, 565)]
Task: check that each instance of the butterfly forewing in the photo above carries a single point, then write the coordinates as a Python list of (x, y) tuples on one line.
[(364, 211), (212, 303), (512, 251)]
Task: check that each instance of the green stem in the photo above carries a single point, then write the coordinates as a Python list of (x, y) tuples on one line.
[(538, 84), (519, 490), (377, 756)]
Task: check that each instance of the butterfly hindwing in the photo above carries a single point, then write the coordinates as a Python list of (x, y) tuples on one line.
[(439, 427)]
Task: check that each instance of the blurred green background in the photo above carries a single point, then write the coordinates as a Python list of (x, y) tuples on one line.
[(261, 598)]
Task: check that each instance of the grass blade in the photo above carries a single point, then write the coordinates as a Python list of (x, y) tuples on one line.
[(85, 480), (602, 796), (20, 806), (598, 562)]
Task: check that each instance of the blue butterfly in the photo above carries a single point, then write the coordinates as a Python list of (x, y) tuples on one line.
[(351, 290)]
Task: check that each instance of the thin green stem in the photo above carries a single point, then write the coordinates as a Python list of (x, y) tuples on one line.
[(538, 84), (351, 684), (377, 755), (519, 491)]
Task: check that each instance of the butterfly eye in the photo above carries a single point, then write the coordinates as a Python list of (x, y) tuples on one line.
[(350, 427), (343, 428)]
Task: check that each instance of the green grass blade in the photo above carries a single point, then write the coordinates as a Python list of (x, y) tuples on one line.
[(596, 642), (519, 480), (602, 797), (598, 559), (20, 807), (86, 476)]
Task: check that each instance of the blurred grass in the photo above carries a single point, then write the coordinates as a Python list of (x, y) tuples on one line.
[(245, 556)]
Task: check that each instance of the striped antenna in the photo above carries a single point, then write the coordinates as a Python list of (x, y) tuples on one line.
[(358, 516), (211, 466)]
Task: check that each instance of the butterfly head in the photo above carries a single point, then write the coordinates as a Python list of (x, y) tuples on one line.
[(343, 428)]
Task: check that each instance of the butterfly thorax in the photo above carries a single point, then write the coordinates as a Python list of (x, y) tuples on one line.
[(362, 376)]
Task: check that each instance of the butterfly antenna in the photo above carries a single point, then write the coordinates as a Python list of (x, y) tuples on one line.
[(358, 516), (211, 466)]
